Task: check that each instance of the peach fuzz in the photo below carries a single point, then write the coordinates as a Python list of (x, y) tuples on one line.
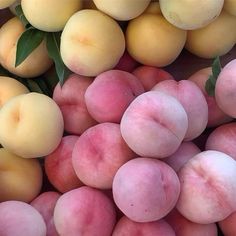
[(31, 125), (223, 139), (152, 40), (9, 88), (20, 179), (149, 127), (6, 3), (84, 211), (215, 115), (228, 226), (184, 227), (127, 227), (20, 218), (110, 94), (91, 43), (58, 166), (98, 154), (225, 88), (184, 153), (45, 204), (34, 65), (70, 99), (208, 187), (149, 76), (50, 16), (145, 189), (192, 100)]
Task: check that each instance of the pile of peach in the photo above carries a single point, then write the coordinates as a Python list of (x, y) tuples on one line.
[(115, 150)]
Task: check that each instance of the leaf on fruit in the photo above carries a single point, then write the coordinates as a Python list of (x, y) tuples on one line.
[(21, 16), (53, 47), (210, 87), (27, 43)]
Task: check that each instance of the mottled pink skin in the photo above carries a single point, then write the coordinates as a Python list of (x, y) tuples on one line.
[(215, 115), (20, 218), (70, 99), (184, 153), (208, 187), (225, 89), (110, 94), (99, 153), (228, 225), (154, 124), (193, 101), (149, 76), (84, 211), (126, 63), (58, 166), (184, 227), (145, 189), (223, 139), (44, 204), (127, 227)]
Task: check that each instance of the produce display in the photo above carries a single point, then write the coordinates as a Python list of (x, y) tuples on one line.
[(117, 118)]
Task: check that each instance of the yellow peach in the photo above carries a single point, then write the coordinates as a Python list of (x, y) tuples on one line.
[(230, 6), (38, 61), (153, 8), (6, 3)]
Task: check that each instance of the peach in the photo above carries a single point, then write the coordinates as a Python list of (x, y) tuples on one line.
[(230, 7), (193, 101), (20, 218), (20, 179), (70, 99), (145, 189), (88, 4), (215, 115), (208, 187), (149, 76), (228, 226), (84, 211), (45, 204), (127, 227), (110, 94), (31, 125), (50, 16), (122, 10), (225, 88), (6, 3), (153, 8), (223, 139), (184, 227), (34, 65), (152, 40), (9, 88), (98, 154), (184, 153), (149, 127), (91, 43), (58, 166)]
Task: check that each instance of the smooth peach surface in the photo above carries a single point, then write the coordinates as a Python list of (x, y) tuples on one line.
[(230, 7), (58, 165), (225, 88), (149, 76), (91, 43), (31, 125), (184, 153), (6, 3), (98, 154), (45, 204), (153, 8), (215, 115), (127, 227), (228, 225), (9, 88), (70, 99), (208, 187), (145, 189), (192, 100), (34, 65), (84, 211), (110, 94), (19, 218), (149, 127)]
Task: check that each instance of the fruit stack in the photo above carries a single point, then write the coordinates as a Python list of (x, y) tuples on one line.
[(117, 117)]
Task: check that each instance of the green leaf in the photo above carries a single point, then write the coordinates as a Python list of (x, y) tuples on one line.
[(33, 86), (21, 16), (216, 68), (53, 47), (28, 41), (210, 87)]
